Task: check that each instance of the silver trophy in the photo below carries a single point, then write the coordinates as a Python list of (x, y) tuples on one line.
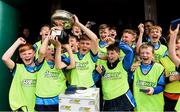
[(65, 16)]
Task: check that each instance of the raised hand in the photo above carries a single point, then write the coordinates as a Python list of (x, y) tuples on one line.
[(21, 41), (175, 31), (54, 40), (76, 20), (135, 66), (109, 40), (141, 28)]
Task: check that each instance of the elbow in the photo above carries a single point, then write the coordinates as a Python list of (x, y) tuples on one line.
[(5, 58), (131, 50), (58, 67), (71, 66)]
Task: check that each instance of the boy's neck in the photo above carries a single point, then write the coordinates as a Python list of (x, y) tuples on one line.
[(147, 62), (113, 65), (31, 65)]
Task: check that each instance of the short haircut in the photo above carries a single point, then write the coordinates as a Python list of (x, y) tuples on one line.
[(157, 27), (74, 36), (45, 25), (113, 28), (104, 26), (149, 20), (25, 47), (145, 46), (130, 31), (113, 47), (84, 37)]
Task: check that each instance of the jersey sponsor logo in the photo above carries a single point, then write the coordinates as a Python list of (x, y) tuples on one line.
[(173, 73), (52, 74), (82, 65), (141, 83), (112, 76), (29, 82)]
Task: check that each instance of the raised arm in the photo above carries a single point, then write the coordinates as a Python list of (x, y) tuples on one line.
[(57, 45), (90, 34), (141, 32), (72, 61), (172, 45), (58, 62), (129, 57), (9, 53), (42, 50)]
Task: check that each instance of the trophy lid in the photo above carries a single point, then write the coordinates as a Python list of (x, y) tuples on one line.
[(61, 14), (66, 16)]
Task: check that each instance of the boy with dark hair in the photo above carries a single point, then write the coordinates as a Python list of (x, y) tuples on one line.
[(147, 24), (114, 78), (44, 32), (85, 58)]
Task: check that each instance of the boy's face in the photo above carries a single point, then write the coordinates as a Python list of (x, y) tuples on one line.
[(146, 55), (44, 32), (26, 32), (76, 30), (147, 26), (84, 46), (128, 38), (73, 43), (112, 56), (113, 33), (103, 33), (155, 34), (27, 57), (50, 54)]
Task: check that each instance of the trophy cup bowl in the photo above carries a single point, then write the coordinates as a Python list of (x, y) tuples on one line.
[(65, 16)]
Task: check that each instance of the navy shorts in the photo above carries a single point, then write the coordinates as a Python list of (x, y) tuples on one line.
[(124, 102)]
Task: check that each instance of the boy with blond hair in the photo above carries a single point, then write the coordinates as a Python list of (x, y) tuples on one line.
[(155, 34)]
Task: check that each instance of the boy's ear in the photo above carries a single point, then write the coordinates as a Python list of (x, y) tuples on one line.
[(20, 56), (71, 31), (134, 38)]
